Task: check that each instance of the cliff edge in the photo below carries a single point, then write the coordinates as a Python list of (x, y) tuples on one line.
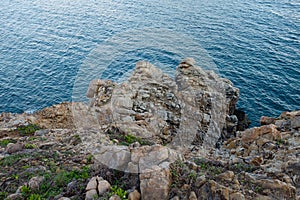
[(151, 137)]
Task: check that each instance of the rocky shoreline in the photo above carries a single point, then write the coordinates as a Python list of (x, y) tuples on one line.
[(152, 137)]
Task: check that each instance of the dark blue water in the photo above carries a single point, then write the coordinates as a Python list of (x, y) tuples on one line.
[(45, 44)]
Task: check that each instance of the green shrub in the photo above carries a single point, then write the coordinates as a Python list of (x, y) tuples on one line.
[(115, 190), (5, 142), (27, 130)]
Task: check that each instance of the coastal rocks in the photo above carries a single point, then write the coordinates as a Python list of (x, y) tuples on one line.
[(213, 190), (135, 195), (137, 160), (57, 116), (96, 187), (13, 148), (271, 153), (152, 137), (273, 188), (268, 132), (191, 108), (155, 184), (35, 182)]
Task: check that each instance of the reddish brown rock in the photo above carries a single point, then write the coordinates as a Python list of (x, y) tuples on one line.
[(267, 131)]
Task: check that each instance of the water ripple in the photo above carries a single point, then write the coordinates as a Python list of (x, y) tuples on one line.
[(44, 44)]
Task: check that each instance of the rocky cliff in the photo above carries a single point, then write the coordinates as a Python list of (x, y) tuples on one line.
[(152, 137)]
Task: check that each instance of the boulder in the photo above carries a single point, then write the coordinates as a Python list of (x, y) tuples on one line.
[(13, 148), (135, 195), (155, 184)]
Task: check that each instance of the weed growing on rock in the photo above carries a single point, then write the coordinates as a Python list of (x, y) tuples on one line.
[(12, 159), (3, 195), (123, 138), (30, 146), (5, 142), (115, 190), (34, 197), (28, 130)]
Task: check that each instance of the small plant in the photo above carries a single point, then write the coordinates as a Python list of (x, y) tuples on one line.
[(10, 160), (124, 138), (15, 176), (89, 158), (25, 190), (95, 196), (119, 192), (258, 189), (192, 174), (27, 130), (25, 166), (280, 142), (30, 146), (5, 142), (32, 138), (34, 197), (3, 195), (239, 167)]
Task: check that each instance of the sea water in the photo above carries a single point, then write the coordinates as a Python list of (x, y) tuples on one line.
[(47, 46)]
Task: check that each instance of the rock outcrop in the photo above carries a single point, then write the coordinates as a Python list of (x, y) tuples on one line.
[(192, 108), (152, 137)]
